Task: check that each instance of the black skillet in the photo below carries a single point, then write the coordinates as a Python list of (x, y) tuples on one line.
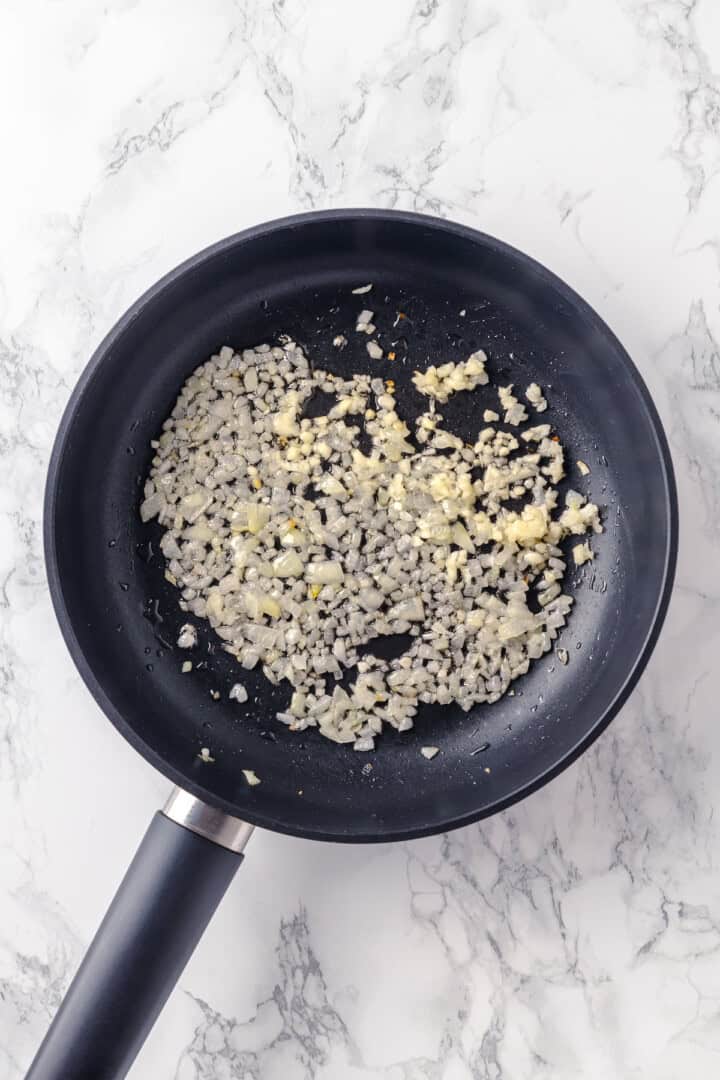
[(459, 290)]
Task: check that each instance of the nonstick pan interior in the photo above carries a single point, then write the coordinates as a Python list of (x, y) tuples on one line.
[(459, 291)]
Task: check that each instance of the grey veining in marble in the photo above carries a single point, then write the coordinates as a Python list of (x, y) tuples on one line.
[(577, 936)]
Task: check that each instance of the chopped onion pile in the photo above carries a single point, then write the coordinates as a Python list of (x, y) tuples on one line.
[(300, 548)]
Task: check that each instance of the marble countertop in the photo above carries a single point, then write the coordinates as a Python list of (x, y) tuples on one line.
[(576, 936)]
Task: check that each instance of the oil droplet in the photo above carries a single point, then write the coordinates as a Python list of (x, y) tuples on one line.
[(112, 543), (148, 650), (579, 645), (145, 551), (124, 586), (130, 450), (119, 628), (264, 305), (149, 667), (159, 653), (151, 611)]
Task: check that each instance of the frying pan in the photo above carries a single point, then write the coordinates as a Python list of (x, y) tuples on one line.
[(460, 290)]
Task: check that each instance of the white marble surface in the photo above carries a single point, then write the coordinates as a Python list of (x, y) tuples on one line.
[(576, 937)]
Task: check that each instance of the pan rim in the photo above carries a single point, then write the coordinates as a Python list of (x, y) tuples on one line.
[(256, 816)]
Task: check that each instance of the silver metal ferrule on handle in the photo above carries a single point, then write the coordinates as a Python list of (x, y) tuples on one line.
[(215, 825)]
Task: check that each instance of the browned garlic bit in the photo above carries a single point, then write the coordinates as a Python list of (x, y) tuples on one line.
[(299, 544)]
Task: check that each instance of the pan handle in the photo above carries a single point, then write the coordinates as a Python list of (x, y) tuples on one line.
[(180, 872)]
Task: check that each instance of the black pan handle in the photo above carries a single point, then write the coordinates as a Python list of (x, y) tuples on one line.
[(180, 872)]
